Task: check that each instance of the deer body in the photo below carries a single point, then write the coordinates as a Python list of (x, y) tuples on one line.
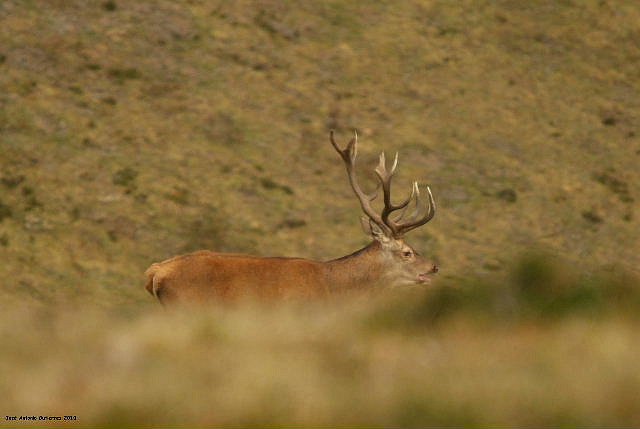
[(205, 275)]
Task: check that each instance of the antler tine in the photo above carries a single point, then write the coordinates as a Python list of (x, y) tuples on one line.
[(395, 164), (385, 179), (416, 209), (414, 191), (405, 227), (374, 194), (349, 155)]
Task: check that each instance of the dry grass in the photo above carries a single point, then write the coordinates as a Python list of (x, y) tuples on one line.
[(491, 352), (316, 365)]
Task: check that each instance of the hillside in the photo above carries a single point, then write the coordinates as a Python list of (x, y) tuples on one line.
[(132, 131)]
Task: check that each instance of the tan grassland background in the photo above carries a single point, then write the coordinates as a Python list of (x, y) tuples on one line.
[(131, 131)]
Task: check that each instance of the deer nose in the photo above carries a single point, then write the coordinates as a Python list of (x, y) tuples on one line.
[(435, 269)]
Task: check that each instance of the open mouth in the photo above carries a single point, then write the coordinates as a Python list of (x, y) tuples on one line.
[(424, 278)]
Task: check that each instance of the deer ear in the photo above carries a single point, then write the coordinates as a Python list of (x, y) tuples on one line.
[(373, 230)]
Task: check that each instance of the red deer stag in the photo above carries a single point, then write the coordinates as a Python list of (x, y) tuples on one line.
[(387, 260)]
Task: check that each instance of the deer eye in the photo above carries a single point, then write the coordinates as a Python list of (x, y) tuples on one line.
[(407, 253)]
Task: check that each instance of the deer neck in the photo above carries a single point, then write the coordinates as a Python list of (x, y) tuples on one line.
[(361, 269)]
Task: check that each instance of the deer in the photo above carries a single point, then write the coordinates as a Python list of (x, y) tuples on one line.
[(387, 261)]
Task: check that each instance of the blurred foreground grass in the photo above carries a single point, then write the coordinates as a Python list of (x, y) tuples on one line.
[(542, 346)]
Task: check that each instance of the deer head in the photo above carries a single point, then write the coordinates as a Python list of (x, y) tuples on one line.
[(398, 262)]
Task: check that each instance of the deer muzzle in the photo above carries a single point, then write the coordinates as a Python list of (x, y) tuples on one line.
[(424, 277)]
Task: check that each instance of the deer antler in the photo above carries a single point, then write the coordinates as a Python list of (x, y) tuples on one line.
[(391, 228), (415, 220), (349, 155)]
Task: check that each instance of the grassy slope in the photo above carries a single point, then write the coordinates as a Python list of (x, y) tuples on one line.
[(161, 127), (132, 131)]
